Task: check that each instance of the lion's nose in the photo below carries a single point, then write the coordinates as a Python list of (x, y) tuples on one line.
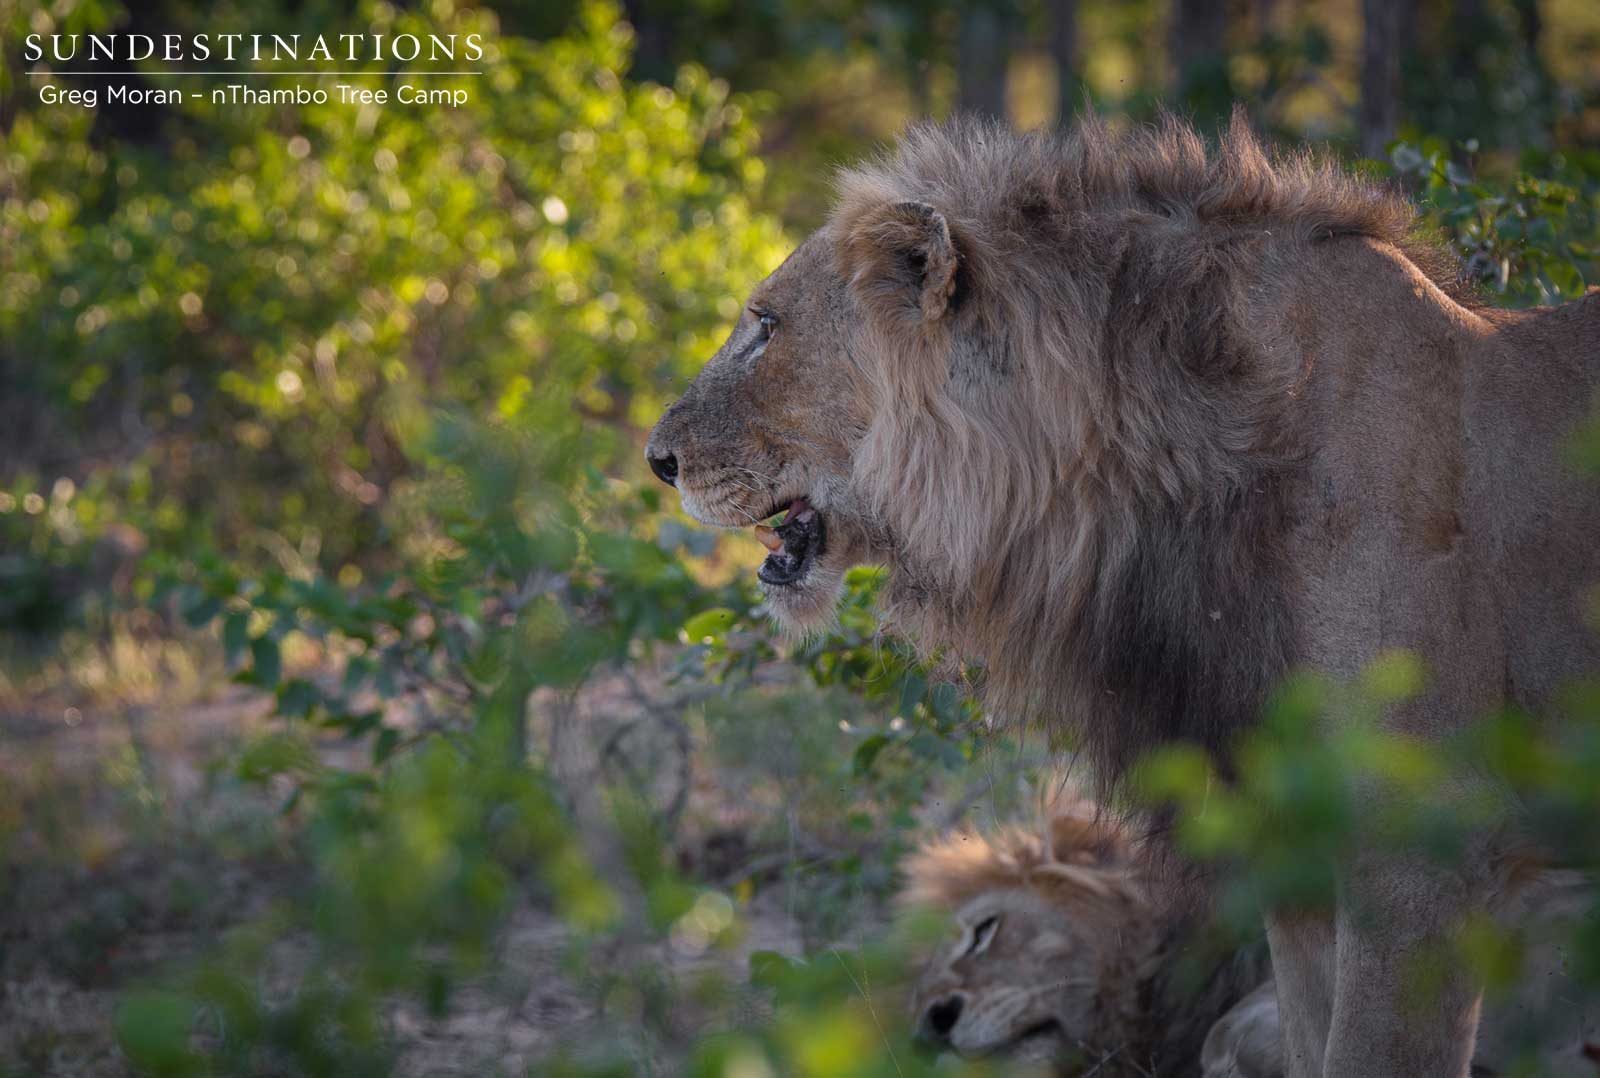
[(665, 466), (942, 1016)]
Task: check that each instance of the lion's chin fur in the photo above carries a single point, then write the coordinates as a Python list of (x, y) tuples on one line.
[(809, 608)]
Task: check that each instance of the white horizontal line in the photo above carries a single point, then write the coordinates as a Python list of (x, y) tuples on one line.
[(250, 74)]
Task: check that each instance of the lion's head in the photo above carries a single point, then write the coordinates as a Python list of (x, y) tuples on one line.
[(1017, 371), (772, 424), (1065, 956), (1054, 937), (875, 390)]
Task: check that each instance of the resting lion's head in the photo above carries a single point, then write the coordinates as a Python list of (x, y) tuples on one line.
[(1054, 938)]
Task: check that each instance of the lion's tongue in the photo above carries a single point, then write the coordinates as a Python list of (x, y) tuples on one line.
[(799, 512)]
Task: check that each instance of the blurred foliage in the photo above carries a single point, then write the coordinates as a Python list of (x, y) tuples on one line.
[(1531, 240), (265, 317), (355, 395), (265, 304), (1321, 784), (419, 850)]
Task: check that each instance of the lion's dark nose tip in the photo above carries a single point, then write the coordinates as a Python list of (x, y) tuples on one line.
[(942, 1016), (665, 467)]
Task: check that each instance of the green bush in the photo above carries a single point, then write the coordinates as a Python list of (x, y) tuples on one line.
[(272, 305), (1534, 239), (370, 385)]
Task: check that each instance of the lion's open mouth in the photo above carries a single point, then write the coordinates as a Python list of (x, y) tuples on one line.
[(1045, 1027), (793, 546), (1041, 1042)]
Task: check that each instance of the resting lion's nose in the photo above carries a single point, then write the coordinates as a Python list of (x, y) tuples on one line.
[(942, 1016), (665, 466)]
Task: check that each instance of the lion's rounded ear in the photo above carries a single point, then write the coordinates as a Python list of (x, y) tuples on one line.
[(1091, 839), (902, 260)]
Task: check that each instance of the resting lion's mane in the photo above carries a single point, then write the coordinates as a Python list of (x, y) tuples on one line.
[(1081, 858), (1084, 463)]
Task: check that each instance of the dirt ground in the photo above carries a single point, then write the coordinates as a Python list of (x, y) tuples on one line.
[(128, 846)]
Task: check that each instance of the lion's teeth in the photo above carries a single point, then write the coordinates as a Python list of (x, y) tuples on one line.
[(769, 538)]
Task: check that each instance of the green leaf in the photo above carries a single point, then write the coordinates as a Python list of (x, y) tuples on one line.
[(356, 673), (276, 754), (235, 636), (1406, 158), (1395, 676), (709, 626), (296, 698), (1172, 774), (383, 747), (912, 690), (770, 969), (266, 664), (867, 752), (202, 611), (153, 1031), (1565, 276)]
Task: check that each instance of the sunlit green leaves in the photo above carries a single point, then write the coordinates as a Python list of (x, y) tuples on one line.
[(708, 626), (1532, 240), (295, 286)]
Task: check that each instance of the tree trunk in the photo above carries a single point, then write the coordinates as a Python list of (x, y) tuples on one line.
[(1531, 24), (1196, 41), (1380, 75), (1410, 12), (1467, 30), (652, 49), (981, 60), (1064, 54), (1266, 15)]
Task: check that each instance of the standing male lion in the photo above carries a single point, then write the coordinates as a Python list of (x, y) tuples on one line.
[(1140, 427)]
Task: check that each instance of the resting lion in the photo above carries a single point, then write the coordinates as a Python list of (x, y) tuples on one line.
[(1138, 427), (1061, 957)]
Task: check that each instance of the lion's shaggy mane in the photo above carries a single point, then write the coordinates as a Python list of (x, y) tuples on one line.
[(1109, 546), (1081, 859)]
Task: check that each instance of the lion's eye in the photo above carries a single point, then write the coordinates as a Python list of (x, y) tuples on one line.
[(983, 933)]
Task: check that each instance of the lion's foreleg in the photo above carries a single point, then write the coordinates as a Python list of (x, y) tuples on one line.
[(1403, 1002), (1303, 964)]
